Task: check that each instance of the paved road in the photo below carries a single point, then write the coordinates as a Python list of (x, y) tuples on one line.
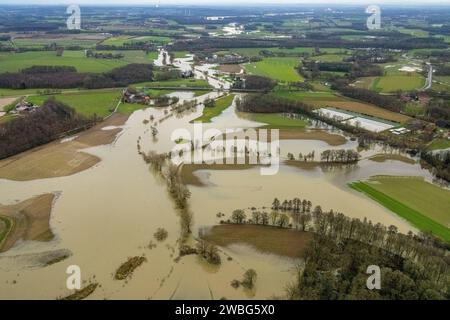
[(429, 81)]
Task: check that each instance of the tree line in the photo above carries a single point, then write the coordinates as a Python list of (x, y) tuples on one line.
[(68, 77)]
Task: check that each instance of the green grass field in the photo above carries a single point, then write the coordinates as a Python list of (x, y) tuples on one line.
[(394, 83), (424, 205), (330, 58), (307, 96), (62, 42), (281, 69), (439, 144), (88, 103), (414, 32), (159, 40), (116, 41), (220, 105), (274, 120), (13, 62)]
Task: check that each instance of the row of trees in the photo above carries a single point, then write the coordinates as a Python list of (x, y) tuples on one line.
[(275, 218), (103, 55), (180, 194), (339, 156), (322, 41), (440, 163), (382, 101), (68, 77), (252, 82)]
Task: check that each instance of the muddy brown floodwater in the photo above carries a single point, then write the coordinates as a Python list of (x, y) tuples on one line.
[(109, 212)]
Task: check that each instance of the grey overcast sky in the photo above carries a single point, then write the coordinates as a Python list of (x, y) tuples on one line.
[(219, 2)]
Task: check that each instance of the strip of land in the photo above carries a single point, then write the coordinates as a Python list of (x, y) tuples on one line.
[(188, 171), (220, 105), (27, 220), (57, 159), (363, 108), (390, 156), (423, 204), (283, 242), (321, 135)]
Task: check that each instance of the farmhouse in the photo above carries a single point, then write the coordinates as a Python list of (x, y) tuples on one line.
[(131, 96), (24, 107), (187, 74)]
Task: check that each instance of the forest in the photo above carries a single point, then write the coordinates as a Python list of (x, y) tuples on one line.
[(43, 125)]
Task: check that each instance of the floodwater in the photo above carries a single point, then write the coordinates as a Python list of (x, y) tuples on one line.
[(109, 212)]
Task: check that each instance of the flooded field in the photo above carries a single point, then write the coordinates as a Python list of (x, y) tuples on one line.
[(109, 212)]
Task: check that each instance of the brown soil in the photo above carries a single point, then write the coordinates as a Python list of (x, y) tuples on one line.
[(331, 139), (363, 108), (284, 242), (188, 171), (296, 134), (30, 220), (397, 157), (230, 68), (58, 159)]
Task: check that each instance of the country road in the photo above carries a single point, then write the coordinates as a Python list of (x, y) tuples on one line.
[(429, 81)]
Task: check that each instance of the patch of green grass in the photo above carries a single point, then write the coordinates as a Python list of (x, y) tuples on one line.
[(7, 118), (281, 69), (275, 120), (6, 225), (439, 144), (330, 58), (414, 108), (13, 62), (424, 205), (159, 40), (414, 32), (116, 41), (130, 107), (61, 42), (306, 96), (180, 54), (393, 83), (153, 55), (220, 105), (88, 103)]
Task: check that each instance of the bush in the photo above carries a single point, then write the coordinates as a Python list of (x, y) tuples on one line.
[(249, 279), (161, 234)]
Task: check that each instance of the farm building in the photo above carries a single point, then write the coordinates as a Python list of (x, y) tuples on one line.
[(130, 96), (24, 107)]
